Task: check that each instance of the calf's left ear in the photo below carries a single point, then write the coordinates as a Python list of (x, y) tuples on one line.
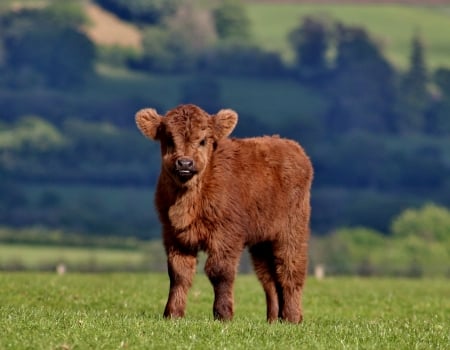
[(149, 122), (224, 122)]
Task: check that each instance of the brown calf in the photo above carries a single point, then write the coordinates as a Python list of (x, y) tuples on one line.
[(220, 195)]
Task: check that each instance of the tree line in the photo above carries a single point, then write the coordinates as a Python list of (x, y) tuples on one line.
[(416, 246)]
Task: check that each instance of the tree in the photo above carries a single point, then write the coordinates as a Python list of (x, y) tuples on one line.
[(350, 250), (2, 53), (232, 21), (193, 25), (310, 41), (421, 239), (354, 45), (362, 87), (143, 11), (430, 223), (177, 46), (414, 97), (157, 55), (438, 121), (31, 134), (242, 59), (48, 45)]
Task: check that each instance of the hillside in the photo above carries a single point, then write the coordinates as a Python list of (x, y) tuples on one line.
[(391, 22), (107, 29), (392, 25), (405, 2)]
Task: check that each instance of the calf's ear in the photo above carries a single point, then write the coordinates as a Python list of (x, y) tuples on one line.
[(149, 122), (224, 123)]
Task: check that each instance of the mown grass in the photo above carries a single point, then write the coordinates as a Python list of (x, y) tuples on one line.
[(392, 24), (111, 311)]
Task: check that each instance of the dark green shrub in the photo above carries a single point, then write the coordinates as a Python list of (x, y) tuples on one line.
[(143, 11)]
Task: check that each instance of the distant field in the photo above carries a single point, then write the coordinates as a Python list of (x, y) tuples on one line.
[(7, 4), (123, 311), (393, 25), (18, 256), (107, 29)]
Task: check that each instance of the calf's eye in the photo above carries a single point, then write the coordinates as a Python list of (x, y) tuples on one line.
[(202, 142), (170, 144)]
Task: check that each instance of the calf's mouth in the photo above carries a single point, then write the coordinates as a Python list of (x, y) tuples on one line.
[(185, 172), (184, 175)]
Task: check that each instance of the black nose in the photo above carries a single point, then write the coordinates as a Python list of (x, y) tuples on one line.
[(185, 163)]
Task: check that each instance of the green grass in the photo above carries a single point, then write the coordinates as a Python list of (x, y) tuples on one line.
[(393, 25), (113, 311)]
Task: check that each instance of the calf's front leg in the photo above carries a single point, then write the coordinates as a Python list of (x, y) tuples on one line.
[(181, 268), (222, 272)]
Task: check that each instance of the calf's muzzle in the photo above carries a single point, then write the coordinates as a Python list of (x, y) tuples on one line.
[(184, 164), (185, 169)]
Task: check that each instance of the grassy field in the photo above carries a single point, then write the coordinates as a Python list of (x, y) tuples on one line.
[(113, 311), (21, 256), (393, 25)]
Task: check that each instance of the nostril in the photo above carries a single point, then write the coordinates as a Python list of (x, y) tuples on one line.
[(185, 163)]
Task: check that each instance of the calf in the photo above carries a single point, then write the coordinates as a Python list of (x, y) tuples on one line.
[(219, 195)]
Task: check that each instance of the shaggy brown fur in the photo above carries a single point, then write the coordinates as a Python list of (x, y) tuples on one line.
[(220, 195)]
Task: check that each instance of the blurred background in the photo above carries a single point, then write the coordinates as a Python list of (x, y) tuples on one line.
[(364, 86)]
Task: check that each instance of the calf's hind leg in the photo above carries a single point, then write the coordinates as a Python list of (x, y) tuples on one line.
[(262, 257), (291, 268)]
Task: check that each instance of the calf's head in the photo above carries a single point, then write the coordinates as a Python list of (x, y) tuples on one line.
[(188, 137)]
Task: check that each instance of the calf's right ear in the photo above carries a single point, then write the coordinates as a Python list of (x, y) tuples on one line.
[(149, 122)]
